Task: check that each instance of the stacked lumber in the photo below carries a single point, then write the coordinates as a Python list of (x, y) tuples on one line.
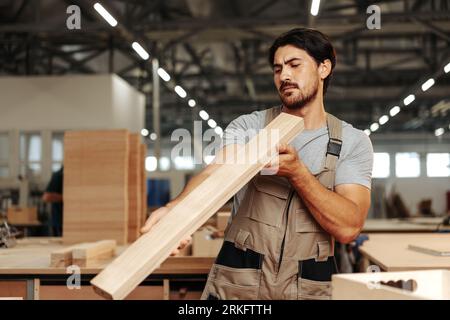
[(103, 186), (143, 181), (83, 254), (119, 278), (134, 188)]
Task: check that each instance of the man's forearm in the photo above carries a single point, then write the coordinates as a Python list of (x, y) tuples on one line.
[(337, 215)]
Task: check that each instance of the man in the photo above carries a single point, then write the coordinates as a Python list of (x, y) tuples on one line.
[(280, 242), (54, 195)]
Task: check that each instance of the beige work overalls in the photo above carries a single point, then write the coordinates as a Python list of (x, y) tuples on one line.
[(274, 248)]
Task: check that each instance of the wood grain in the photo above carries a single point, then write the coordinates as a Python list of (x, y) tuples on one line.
[(134, 188)]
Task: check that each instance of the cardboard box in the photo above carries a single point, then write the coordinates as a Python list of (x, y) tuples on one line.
[(203, 243), (222, 220), (22, 215), (411, 285)]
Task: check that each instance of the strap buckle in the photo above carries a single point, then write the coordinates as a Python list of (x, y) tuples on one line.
[(334, 147)]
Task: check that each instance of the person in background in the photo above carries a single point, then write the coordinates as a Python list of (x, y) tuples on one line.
[(54, 195)]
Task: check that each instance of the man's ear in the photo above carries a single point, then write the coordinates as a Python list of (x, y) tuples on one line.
[(325, 69)]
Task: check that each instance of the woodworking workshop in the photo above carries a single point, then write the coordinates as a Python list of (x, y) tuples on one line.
[(224, 150)]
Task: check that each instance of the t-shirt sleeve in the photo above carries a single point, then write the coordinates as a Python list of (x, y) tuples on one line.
[(241, 129), (356, 167)]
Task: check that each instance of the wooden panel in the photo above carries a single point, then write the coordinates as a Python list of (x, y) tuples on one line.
[(13, 289), (84, 254), (147, 253), (134, 188), (48, 292), (143, 183), (61, 257), (93, 253), (95, 186)]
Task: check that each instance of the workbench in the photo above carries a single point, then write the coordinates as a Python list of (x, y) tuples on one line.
[(25, 272), (409, 225), (390, 251)]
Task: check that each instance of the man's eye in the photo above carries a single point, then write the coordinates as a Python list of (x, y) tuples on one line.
[(294, 65), (277, 70)]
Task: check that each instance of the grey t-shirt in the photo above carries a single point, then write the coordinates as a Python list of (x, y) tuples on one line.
[(354, 165)]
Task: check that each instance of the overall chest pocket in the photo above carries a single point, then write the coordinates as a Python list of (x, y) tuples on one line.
[(269, 200)]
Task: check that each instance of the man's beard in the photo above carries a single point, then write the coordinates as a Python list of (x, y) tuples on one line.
[(299, 100)]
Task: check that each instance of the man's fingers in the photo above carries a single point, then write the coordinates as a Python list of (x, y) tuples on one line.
[(154, 218), (184, 243), (148, 225), (281, 147)]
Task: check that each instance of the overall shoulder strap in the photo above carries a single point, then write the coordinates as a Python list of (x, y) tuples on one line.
[(334, 143), (271, 114)]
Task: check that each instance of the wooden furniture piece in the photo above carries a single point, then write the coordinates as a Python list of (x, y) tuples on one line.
[(96, 186), (25, 272), (143, 256), (414, 285), (390, 251)]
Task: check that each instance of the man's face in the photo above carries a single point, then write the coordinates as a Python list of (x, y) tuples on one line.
[(296, 76)]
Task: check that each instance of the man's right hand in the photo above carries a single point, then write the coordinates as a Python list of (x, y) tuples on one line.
[(155, 216)]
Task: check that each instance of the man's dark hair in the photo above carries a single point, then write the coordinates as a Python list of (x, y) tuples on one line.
[(314, 42)]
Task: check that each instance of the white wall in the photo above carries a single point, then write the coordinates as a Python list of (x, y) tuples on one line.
[(70, 102), (413, 190)]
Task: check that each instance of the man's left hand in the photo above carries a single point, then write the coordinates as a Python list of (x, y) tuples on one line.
[(287, 163)]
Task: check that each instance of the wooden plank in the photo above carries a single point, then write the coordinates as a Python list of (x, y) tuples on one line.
[(90, 254), (134, 188), (143, 181), (61, 257), (83, 254), (119, 278), (95, 186)]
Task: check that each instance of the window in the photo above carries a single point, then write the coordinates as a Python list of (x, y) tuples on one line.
[(150, 163), (438, 164), (164, 164), (184, 163), (30, 153), (57, 151), (4, 155), (4, 147), (381, 165), (407, 165)]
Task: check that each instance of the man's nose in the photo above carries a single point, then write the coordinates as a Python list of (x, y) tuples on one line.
[(285, 75)]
